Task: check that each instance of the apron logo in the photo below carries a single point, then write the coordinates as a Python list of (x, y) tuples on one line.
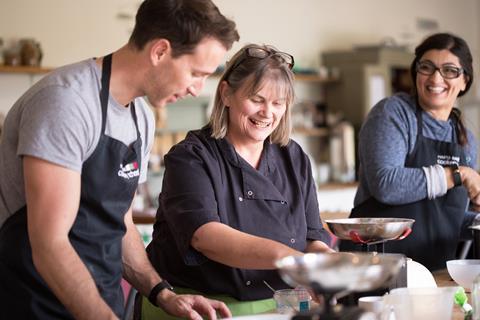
[(447, 160), (129, 170)]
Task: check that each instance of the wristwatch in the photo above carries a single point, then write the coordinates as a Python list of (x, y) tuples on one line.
[(152, 297), (457, 177)]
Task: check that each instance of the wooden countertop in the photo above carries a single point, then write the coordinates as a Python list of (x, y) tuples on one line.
[(443, 280), (144, 217)]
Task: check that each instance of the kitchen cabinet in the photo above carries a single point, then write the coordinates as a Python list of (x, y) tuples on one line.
[(368, 74)]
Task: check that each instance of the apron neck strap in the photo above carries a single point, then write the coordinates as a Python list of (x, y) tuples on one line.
[(105, 90)]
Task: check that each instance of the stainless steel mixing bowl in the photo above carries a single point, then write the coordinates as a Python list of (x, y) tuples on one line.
[(339, 271), (370, 230)]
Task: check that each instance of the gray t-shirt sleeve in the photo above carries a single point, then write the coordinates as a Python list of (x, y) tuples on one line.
[(384, 143), (147, 130), (57, 129)]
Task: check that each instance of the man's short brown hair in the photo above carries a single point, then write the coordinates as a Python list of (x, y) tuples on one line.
[(184, 23)]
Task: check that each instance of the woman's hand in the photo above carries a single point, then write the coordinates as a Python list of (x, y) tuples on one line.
[(471, 181), (317, 246), (192, 307)]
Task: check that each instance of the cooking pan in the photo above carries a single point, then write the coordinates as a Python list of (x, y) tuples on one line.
[(370, 230)]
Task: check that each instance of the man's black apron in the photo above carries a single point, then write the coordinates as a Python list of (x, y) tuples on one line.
[(109, 180), (438, 222)]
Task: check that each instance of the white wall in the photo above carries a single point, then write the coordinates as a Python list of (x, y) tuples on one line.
[(306, 27), (71, 30)]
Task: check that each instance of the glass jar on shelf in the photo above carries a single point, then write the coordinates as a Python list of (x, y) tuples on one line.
[(11, 56), (30, 51)]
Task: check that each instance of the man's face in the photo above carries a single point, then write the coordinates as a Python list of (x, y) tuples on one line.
[(174, 78)]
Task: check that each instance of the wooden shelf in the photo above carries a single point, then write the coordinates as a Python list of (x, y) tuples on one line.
[(315, 132), (314, 78), (42, 70), (300, 77), (24, 69)]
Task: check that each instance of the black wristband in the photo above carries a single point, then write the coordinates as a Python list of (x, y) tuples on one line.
[(457, 177), (152, 297)]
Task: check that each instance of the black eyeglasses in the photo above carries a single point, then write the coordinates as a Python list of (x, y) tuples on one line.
[(261, 53), (447, 71)]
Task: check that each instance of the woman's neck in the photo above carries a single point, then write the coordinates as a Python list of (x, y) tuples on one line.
[(441, 115), (249, 152)]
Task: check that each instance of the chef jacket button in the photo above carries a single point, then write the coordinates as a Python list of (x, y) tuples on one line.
[(250, 193), (292, 240), (282, 202), (248, 283), (240, 199)]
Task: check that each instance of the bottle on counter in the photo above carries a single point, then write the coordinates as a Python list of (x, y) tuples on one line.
[(1, 51), (475, 295), (342, 152)]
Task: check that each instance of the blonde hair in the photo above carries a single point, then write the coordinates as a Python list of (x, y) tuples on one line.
[(250, 74)]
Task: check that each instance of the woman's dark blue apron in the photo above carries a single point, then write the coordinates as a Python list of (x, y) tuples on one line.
[(109, 179), (438, 222)]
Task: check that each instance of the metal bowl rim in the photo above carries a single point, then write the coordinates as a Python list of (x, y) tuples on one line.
[(370, 221)]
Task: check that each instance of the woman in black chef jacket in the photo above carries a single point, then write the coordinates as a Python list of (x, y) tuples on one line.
[(239, 193), (417, 159)]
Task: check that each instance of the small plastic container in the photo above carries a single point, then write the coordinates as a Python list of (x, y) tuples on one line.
[(476, 298), (372, 304), (292, 300), (419, 303)]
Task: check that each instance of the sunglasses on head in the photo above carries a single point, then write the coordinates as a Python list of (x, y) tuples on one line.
[(262, 53)]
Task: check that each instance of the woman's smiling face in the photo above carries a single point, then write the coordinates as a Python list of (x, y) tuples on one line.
[(436, 93), (252, 118)]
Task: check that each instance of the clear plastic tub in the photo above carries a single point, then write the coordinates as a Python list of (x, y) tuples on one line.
[(292, 300), (419, 303)]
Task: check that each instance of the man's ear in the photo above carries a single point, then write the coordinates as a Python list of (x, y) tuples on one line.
[(225, 93), (158, 50)]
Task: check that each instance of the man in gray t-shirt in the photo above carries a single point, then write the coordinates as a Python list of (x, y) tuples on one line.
[(59, 120), (74, 148)]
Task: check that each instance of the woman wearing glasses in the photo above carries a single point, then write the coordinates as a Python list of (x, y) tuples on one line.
[(238, 194), (417, 157)]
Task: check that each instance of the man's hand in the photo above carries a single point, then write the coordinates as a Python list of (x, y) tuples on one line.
[(473, 207), (192, 307), (471, 181)]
